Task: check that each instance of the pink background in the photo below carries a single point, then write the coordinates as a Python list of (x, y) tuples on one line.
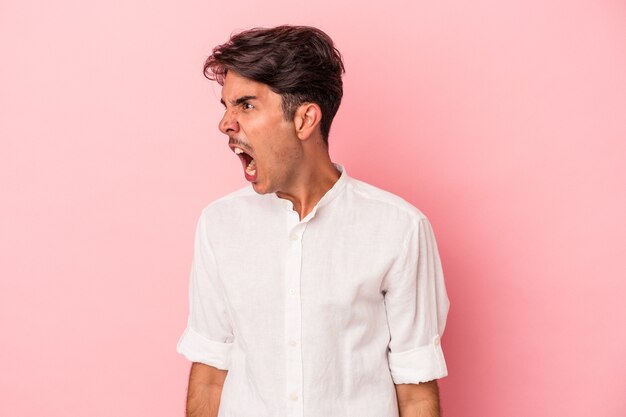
[(503, 121)]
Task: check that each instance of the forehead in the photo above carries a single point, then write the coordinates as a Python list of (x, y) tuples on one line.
[(236, 86)]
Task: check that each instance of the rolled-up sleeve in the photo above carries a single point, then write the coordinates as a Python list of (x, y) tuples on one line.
[(417, 306), (208, 337)]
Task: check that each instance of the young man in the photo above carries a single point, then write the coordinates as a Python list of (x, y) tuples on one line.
[(312, 294)]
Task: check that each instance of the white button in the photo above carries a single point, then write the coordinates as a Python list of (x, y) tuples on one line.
[(293, 397), (292, 291), (292, 343), (294, 237)]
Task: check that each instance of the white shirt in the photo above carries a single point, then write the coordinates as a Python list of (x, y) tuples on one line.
[(316, 317)]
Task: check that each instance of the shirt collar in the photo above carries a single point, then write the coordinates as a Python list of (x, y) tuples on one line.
[(333, 192)]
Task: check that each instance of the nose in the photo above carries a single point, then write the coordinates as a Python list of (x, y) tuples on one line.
[(229, 122)]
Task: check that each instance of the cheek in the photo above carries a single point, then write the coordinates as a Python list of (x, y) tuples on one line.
[(274, 141)]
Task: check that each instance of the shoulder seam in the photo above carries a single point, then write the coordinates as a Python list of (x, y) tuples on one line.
[(391, 203)]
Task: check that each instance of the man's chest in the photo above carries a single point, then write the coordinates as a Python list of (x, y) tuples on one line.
[(334, 268)]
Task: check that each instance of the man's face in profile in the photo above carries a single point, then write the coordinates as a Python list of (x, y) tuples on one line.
[(266, 143)]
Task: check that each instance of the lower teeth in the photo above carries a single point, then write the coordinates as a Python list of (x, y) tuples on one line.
[(251, 168)]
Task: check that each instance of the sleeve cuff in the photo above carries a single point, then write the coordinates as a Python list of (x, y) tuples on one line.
[(198, 348), (422, 364)]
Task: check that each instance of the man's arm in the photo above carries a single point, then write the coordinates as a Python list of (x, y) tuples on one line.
[(418, 400), (205, 390)]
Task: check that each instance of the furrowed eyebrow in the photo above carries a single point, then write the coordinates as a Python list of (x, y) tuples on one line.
[(243, 99), (238, 101)]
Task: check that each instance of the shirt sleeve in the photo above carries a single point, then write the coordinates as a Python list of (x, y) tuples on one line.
[(208, 337), (417, 307)]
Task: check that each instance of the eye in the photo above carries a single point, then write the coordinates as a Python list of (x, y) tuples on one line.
[(247, 106)]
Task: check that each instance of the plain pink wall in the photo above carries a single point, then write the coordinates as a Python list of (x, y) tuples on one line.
[(503, 121)]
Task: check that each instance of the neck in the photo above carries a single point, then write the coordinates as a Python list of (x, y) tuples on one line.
[(315, 178)]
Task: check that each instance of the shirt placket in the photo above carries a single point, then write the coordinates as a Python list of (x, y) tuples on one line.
[(293, 317)]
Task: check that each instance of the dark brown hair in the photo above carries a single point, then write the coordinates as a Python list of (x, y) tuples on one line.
[(300, 63)]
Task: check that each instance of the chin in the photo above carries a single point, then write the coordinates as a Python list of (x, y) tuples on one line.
[(259, 189)]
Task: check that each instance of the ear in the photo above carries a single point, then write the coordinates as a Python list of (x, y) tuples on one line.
[(307, 120)]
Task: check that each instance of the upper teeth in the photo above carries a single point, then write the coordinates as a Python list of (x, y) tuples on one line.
[(238, 151)]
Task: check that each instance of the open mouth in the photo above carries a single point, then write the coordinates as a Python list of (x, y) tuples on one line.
[(248, 163)]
